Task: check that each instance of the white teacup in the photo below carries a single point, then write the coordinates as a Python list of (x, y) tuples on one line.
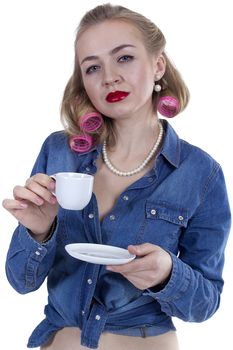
[(73, 190)]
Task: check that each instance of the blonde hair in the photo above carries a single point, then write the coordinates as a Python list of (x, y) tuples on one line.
[(75, 101)]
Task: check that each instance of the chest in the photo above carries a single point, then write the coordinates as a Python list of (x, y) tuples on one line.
[(146, 212), (108, 187), (153, 208)]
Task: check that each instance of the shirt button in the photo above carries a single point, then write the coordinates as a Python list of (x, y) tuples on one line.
[(180, 217), (126, 198), (91, 215), (89, 281), (83, 312), (37, 253), (153, 211), (87, 168), (97, 317), (112, 217)]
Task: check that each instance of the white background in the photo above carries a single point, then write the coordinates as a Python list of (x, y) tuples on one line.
[(36, 41)]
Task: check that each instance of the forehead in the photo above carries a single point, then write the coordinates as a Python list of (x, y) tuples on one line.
[(103, 37)]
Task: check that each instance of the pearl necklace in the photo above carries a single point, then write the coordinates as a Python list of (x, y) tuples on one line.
[(140, 167)]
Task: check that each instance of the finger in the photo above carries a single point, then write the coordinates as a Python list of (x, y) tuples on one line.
[(142, 249), (44, 180), (137, 264), (20, 192), (133, 266), (12, 204), (41, 185), (149, 258)]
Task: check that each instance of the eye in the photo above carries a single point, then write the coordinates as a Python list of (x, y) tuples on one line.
[(92, 69), (125, 58)]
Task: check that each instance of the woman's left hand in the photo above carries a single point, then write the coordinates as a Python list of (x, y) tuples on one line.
[(152, 268)]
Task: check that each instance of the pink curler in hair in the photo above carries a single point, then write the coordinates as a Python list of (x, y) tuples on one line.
[(90, 122), (168, 106), (81, 143)]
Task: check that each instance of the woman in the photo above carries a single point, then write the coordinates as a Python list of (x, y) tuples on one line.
[(155, 194)]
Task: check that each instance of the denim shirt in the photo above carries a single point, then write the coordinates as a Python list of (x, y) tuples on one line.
[(181, 205)]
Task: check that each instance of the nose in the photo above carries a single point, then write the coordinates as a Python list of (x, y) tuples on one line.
[(111, 82), (111, 77)]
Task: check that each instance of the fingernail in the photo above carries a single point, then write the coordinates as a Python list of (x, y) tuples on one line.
[(22, 205), (53, 200)]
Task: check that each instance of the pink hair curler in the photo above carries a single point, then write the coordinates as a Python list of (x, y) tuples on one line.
[(168, 106), (90, 122), (81, 143)]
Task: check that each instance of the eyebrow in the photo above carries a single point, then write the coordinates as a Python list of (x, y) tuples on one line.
[(112, 52)]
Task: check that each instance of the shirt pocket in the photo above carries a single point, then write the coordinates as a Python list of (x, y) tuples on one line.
[(163, 224)]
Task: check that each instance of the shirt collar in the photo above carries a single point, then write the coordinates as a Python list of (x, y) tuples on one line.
[(171, 145), (170, 148), (95, 150)]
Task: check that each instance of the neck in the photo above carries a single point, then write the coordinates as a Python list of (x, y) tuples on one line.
[(134, 135), (127, 159)]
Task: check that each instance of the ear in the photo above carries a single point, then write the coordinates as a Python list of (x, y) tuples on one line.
[(159, 67)]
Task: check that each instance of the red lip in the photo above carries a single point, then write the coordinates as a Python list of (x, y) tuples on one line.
[(116, 96)]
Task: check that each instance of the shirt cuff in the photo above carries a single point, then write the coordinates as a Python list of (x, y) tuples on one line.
[(177, 284), (27, 242)]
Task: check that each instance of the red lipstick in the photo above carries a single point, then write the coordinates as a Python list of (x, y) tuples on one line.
[(116, 96)]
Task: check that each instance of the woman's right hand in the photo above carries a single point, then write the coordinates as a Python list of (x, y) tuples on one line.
[(34, 205)]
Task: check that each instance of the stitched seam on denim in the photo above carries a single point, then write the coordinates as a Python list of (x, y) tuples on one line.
[(167, 216), (141, 232), (61, 236), (210, 178), (143, 332), (31, 272)]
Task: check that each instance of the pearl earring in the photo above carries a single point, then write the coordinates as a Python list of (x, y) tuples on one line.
[(157, 87)]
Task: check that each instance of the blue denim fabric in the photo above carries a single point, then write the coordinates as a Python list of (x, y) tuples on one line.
[(180, 205)]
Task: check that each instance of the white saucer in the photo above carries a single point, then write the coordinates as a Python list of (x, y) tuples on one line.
[(99, 253)]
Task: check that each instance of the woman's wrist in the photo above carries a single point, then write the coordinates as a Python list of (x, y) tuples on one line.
[(43, 238)]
